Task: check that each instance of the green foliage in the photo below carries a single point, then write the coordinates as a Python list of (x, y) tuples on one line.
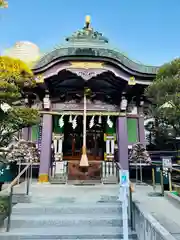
[(15, 76), (169, 69), (87, 92), (3, 4), (4, 204), (4, 208), (23, 117), (14, 120), (16, 80), (165, 95)]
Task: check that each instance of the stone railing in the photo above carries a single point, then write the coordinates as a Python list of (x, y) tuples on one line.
[(147, 227)]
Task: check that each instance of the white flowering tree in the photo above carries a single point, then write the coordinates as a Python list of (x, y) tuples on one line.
[(23, 151), (139, 155)]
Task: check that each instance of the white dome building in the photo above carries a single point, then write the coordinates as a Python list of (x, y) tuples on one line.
[(25, 51)]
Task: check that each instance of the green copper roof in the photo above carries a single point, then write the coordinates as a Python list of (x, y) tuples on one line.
[(87, 42), (87, 34)]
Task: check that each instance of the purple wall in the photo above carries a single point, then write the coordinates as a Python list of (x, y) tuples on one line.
[(45, 155), (122, 138)]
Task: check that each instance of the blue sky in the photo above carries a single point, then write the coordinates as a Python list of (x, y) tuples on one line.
[(148, 31)]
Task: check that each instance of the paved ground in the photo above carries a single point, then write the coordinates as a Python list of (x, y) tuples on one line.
[(163, 210)]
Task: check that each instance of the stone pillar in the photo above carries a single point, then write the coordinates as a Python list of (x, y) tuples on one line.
[(45, 155), (122, 140), (25, 134), (29, 133)]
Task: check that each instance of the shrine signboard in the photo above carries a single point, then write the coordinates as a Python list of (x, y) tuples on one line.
[(167, 162)]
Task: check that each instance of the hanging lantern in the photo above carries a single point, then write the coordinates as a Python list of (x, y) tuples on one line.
[(141, 102), (46, 101), (123, 103)]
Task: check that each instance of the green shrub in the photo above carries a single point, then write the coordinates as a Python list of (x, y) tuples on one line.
[(4, 205)]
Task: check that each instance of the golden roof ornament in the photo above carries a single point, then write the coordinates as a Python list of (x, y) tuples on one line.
[(132, 81), (87, 21), (87, 33)]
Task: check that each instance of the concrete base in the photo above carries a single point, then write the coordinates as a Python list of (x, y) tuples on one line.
[(176, 188), (43, 178), (84, 182), (172, 198), (110, 180), (58, 179)]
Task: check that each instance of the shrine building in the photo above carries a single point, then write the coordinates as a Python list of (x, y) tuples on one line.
[(89, 95)]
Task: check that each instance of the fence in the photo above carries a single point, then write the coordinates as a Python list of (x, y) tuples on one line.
[(110, 173), (147, 227), (7, 193)]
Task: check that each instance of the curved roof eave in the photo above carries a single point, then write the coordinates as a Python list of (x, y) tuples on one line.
[(91, 50)]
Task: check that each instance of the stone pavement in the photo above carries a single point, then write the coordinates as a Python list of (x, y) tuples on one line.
[(165, 212), (48, 192)]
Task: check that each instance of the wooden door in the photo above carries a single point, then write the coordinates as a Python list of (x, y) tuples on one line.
[(93, 172)]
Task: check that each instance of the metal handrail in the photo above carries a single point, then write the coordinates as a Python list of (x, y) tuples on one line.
[(119, 167), (175, 169), (171, 184), (9, 190)]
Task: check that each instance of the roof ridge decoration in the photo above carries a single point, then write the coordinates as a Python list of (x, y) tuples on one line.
[(79, 44), (87, 33)]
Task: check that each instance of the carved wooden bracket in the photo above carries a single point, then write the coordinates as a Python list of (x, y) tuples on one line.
[(87, 74)]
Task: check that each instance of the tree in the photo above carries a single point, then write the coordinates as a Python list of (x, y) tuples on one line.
[(3, 4), (23, 151), (164, 93), (138, 154), (16, 82)]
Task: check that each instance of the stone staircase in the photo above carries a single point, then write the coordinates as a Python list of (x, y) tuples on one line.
[(76, 215)]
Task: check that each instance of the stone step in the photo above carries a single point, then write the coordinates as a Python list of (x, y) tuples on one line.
[(40, 221), (84, 183), (57, 238), (57, 181), (67, 233), (20, 198), (84, 208), (110, 180)]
